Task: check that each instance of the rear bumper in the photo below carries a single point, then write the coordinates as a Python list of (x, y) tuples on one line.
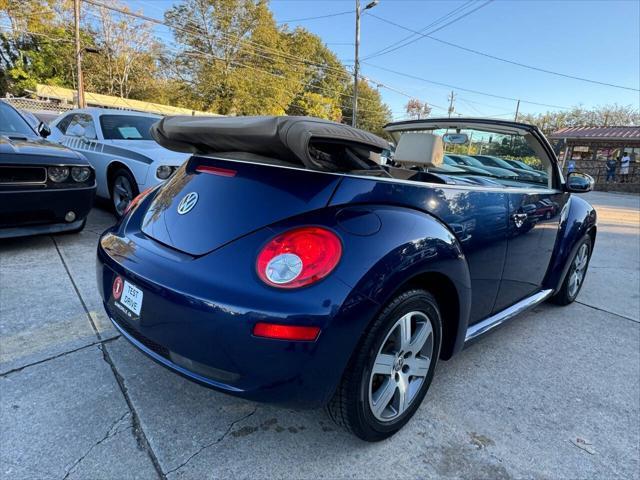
[(28, 212), (197, 320)]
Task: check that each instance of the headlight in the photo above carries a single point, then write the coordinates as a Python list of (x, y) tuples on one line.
[(164, 171), (58, 174), (80, 174)]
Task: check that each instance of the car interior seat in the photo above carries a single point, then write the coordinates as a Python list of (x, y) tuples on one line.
[(90, 131), (416, 152)]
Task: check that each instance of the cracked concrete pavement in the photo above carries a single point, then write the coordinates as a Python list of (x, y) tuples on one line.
[(555, 393)]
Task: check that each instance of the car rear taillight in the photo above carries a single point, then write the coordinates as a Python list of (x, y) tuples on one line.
[(222, 172), (286, 332), (137, 199), (299, 257)]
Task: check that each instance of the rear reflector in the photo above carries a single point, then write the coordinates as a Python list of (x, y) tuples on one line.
[(286, 332), (223, 172)]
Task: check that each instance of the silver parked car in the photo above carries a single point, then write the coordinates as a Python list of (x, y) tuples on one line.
[(118, 145)]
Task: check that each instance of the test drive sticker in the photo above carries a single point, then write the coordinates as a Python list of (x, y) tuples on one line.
[(117, 288)]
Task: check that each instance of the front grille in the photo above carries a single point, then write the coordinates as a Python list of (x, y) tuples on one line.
[(15, 175), (150, 344)]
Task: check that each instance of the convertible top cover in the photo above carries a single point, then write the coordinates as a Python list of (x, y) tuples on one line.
[(290, 139)]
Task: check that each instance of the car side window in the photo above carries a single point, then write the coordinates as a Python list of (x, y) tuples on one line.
[(63, 124), (496, 158), (81, 125)]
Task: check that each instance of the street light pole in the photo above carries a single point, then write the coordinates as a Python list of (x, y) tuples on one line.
[(356, 67), (76, 12)]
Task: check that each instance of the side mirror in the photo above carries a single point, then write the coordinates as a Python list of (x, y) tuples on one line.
[(43, 130), (579, 182)]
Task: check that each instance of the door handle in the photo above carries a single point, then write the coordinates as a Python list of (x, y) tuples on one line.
[(519, 219)]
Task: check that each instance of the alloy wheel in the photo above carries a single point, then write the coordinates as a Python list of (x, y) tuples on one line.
[(122, 194), (578, 270), (401, 366)]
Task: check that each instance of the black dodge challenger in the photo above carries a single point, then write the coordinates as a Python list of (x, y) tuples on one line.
[(44, 187)]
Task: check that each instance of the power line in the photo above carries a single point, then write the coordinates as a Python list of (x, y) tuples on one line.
[(442, 84), (305, 19), (198, 34), (210, 55), (403, 43), (260, 47), (195, 52), (435, 22), (500, 59), (253, 44), (44, 35)]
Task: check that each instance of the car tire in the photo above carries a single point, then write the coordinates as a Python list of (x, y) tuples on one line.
[(122, 189), (577, 272), (362, 403)]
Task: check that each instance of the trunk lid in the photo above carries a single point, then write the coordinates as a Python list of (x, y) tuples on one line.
[(232, 199)]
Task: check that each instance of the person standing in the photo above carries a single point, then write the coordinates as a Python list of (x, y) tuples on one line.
[(624, 168), (611, 169), (571, 167)]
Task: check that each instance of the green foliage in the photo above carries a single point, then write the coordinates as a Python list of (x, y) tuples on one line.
[(230, 57), (605, 115), (316, 105), (37, 49), (373, 114)]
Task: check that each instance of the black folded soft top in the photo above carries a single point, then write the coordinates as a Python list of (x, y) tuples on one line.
[(284, 138)]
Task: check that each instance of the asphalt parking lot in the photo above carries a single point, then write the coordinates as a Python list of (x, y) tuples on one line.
[(553, 394)]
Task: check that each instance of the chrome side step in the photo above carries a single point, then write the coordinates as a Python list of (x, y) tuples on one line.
[(488, 324)]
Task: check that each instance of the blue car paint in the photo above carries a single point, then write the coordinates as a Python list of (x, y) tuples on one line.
[(200, 303), (578, 218), (225, 201)]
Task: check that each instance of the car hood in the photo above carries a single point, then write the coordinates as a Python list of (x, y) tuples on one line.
[(152, 150), (37, 149)]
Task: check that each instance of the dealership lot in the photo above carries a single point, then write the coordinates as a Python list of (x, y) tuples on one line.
[(556, 393)]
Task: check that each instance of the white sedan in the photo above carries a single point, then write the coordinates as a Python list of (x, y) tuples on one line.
[(118, 145)]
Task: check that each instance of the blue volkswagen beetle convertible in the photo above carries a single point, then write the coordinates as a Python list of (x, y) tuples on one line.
[(288, 261)]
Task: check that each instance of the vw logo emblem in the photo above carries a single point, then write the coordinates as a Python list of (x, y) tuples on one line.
[(187, 203)]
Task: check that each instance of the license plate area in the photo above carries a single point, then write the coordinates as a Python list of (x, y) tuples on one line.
[(127, 298)]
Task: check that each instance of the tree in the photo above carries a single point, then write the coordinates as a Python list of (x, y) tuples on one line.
[(38, 47), (127, 61), (324, 75), (417, 109), (230, 58), (223, 55), (316, 105), (373, 114), (601, 116)]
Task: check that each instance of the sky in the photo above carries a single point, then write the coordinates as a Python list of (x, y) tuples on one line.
[(596, 40)]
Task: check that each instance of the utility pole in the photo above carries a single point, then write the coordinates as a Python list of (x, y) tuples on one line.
[(452, 97), (356, 69), (517, 111), (76, 12), (356, 66)]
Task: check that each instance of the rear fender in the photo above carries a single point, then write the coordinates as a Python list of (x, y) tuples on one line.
[(385, 249), (577, 219), (410, 245)]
